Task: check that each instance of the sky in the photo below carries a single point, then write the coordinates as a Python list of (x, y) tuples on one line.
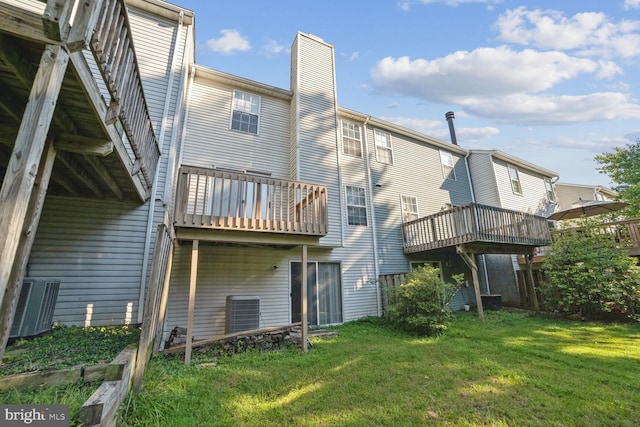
[(552, 82)]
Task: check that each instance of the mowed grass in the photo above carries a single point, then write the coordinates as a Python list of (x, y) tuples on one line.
[(513, 370)]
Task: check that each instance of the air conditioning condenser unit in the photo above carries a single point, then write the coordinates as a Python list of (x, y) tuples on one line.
[(36, 303), (242, 313)]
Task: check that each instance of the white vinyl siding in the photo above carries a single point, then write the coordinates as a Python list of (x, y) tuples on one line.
[(245, 113), (96, 250), (448, 166), (316, 133), (208, 136), (408, 177), (351, 140), (514, 178), (384, 151), (356, 205)]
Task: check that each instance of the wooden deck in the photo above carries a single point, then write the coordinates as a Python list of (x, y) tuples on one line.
[(101, 130), (485, 229), (626, 235), (229, 206)]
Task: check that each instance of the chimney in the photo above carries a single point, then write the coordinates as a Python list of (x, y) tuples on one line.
[(452, 130)]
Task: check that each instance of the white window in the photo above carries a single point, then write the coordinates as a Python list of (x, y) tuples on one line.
[(448, 167), (598, 196), (384, 153), (515, 180), (356, 206), (551, 195), (409, 205), (245, 112), (351, 141)]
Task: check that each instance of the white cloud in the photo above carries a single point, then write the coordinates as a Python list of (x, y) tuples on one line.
[(272, 47), (632, 4), (439, 130), (464, 77), (589, 33), (230, 41), (555, 109)]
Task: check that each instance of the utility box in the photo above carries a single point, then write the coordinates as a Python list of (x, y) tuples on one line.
[(491, 302)]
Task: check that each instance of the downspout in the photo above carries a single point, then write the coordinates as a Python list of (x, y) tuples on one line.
[(154, 186), (373, 216), (171, 162), (338, 151), (473, 199)]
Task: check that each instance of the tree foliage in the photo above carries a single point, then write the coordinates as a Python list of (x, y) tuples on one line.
[(623, 167), (587, 274), (422, 302)]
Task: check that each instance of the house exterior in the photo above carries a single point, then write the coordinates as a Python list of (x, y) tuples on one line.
[(241, 191), (500, 179), (568, 194)]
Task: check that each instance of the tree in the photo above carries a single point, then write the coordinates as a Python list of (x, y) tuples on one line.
[(589, 275), (623, 167)]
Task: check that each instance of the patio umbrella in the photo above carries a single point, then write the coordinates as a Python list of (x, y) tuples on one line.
[(588, 208)]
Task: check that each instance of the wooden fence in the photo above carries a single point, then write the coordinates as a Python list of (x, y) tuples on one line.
[(389, 284)]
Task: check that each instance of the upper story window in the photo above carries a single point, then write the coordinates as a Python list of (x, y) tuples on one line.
[(514, 177), (598, 196), (551, 195), (409, 205), (448, 170), (384, 153), (356, 205), (245, 112), (351, 141)]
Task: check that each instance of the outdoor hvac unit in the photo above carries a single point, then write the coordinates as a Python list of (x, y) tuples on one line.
[(34, 313), (243, 313)]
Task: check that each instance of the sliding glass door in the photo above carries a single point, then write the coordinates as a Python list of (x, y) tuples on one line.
[(324, 293)]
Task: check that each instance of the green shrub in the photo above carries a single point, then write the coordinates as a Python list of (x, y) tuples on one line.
[(587, 274), (422, 302)]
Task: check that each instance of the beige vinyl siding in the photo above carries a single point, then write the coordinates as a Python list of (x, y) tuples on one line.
[(224, 271), (416, 172), (484, 180), (317, 126), (95, 248), (209, 140)]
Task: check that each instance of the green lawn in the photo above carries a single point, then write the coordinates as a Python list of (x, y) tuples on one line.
[(513, 370)]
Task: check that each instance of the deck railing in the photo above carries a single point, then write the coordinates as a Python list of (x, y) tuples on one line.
[(215, 199), (112, 47), (474, 223), (625, 234)]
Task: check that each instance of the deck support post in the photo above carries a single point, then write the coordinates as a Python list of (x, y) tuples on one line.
[(471, 263), (192, 300), (32, 218), (303, 293), (24, 164)]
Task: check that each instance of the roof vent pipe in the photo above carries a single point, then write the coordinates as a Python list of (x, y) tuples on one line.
[(452, 130)]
